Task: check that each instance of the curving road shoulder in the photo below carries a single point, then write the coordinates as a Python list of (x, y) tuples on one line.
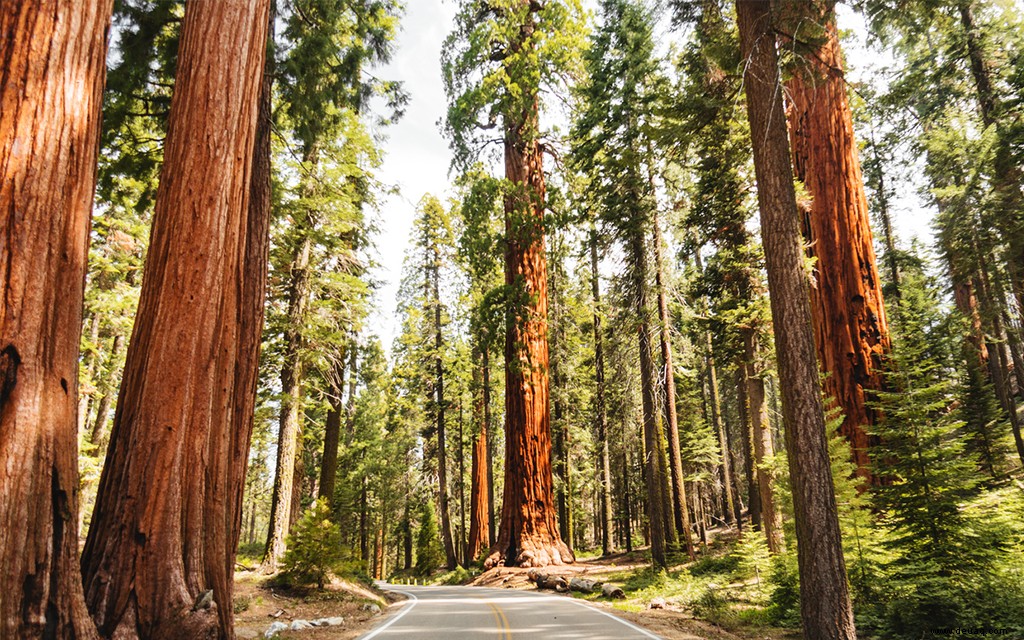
[(447, 613)]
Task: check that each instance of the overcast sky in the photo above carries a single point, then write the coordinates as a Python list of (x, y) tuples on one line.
[(417, 155)]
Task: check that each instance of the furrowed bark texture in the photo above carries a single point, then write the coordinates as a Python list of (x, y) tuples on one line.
[(51, 88), (166, 518), (528, 536), (851, 330), (825, 605)]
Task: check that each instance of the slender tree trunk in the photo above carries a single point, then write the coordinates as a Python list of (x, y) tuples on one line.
[(656, 481), (560, 428), (332, 431), (53, 69), (290, 425), (103, 409), (439, 400), (849, 314), (364, 526), (462, 491), (407, 537), (479, 501), (491, 522), (86, 394), (725, 472), (675, 458), (627, 511), (747, 439), (601, 414), (764, 450), (529, 534), (825, 607), (159, 557)]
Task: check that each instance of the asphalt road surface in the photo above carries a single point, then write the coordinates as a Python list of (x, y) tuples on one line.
[(447, 613)]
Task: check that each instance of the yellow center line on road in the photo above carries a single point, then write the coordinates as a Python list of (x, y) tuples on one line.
[(499, 618)]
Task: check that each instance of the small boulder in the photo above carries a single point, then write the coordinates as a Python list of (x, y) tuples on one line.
[(371, 607), (298, 625), (336, 621), (275, 629)]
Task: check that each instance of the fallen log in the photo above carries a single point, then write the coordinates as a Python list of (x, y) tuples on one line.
[(548, 581), (611, 591), (585, 585)]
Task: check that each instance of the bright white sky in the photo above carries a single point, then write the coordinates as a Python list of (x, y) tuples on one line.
[(417, 155)]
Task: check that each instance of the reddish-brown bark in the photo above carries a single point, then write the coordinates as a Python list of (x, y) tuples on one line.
[(160, 553), (851, 330), (825, 606), (52, 69), (479, 507), (528, 535)]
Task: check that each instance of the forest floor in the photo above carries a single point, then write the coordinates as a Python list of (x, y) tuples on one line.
[(258, 605)]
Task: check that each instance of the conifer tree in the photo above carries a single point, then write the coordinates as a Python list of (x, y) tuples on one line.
[(53, 69), (495, 62), (825, 606), (611, 146)]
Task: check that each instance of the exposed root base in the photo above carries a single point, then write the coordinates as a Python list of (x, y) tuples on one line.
[(530, 554)]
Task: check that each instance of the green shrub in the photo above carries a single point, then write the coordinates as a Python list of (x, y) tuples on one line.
[(314, 548), (429, 555)]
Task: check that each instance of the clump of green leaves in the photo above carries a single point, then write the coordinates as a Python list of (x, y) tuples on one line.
[(314, 548)]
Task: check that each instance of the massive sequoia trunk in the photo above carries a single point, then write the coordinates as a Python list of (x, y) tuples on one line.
[(601, 414), (528, 535), (53, 64), (826, 611), (850, 324), (159, 557)]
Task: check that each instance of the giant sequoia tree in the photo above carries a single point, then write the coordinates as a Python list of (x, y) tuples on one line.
[(499, 55), (825, 605), (850, 324), (53, 57), (167, 513)]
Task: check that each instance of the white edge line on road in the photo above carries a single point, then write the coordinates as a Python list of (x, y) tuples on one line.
[(632, 626), (378, 630)]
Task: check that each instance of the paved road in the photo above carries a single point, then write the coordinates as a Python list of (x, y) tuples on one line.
[(450, 613)]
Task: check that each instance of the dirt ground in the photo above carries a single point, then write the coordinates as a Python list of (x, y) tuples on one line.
[(258, 606)]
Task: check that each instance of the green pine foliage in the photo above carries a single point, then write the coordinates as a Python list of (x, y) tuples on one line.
[(429, 554), (944, 553), (314, 548)]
